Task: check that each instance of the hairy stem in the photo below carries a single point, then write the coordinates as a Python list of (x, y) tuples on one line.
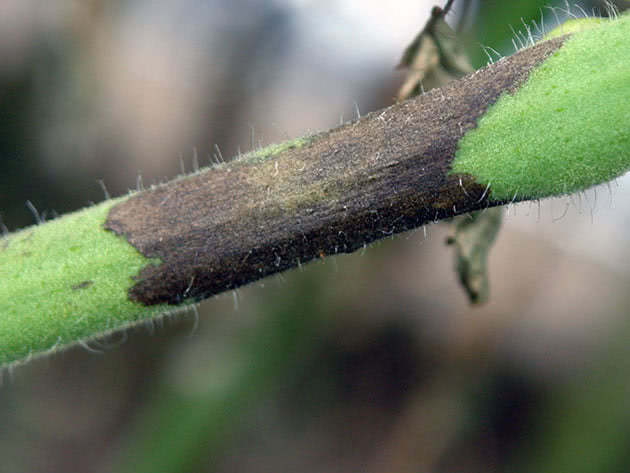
[(419, 161)]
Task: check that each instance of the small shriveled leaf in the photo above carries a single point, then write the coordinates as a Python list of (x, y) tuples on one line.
[(435, 56), (474, 236)]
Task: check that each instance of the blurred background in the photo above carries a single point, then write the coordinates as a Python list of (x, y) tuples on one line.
[(370, 362)]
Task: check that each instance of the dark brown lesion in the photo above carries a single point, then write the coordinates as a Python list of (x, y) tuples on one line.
[(384, 174)]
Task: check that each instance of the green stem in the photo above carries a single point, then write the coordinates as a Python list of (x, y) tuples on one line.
[(553, 120)]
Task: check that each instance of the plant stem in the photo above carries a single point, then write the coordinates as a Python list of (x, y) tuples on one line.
[(422, 160)]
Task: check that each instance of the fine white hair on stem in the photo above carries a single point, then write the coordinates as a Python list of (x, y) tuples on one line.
[(149, 324), (517, 37), (539, 30), (219, 154), (235, 299), (511, 204), (190, 284), (36, 215), (10, 371), (195, 160), (3, 228), (582, 10), (524, 39), (611, 9), (572, 201), (566, 209), (529, 32), (88, 348), (568, 10), (555, 14), (587, 200), (494, 51), (182, 167), (101, 182), (490, 60), (461, 184), (195, 324), (610, 194), (102, 344), (484, 193)]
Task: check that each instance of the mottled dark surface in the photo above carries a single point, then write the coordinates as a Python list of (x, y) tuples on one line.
[(383, 174)]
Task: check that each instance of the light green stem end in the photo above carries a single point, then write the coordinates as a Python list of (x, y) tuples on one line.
[(65, 281), (566, 129)]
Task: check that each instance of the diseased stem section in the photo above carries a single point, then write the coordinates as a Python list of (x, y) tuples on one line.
[(563, 130), (332, 193)]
